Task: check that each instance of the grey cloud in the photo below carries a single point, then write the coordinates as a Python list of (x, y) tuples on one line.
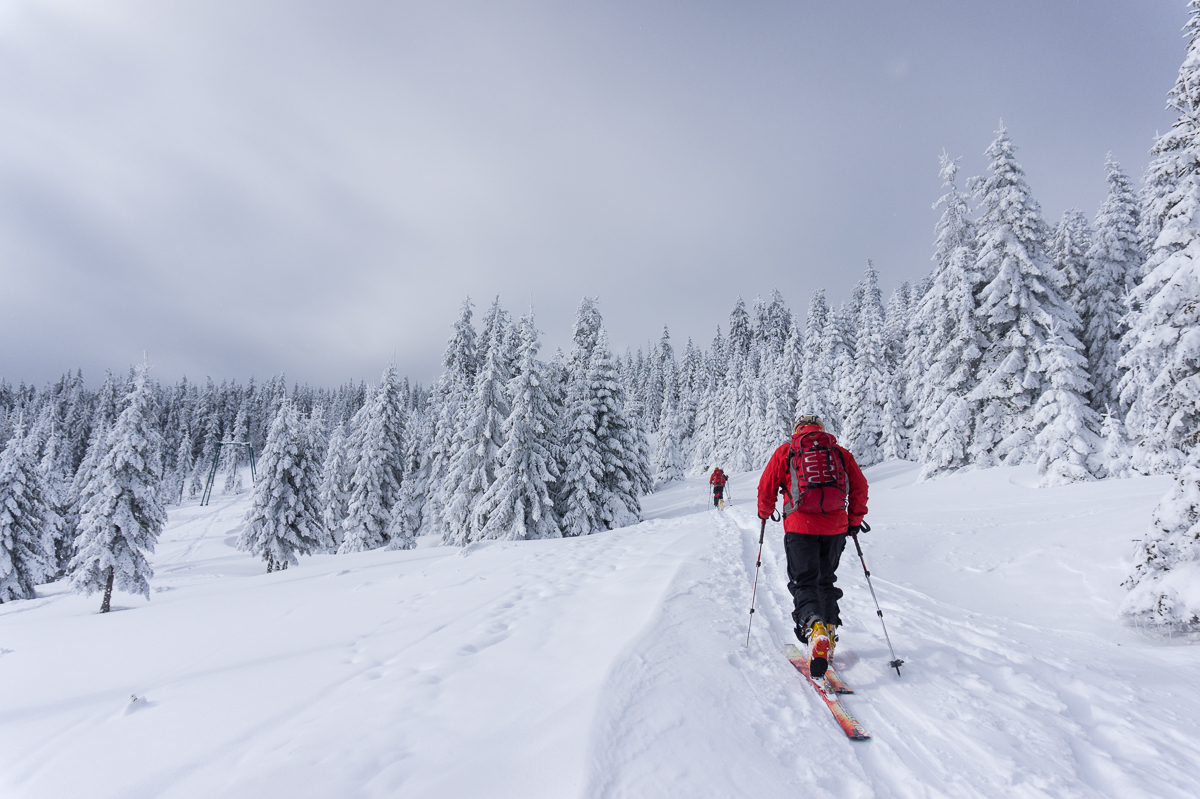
[(245, 188)]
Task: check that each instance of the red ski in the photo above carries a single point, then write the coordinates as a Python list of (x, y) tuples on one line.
[(848, 723)]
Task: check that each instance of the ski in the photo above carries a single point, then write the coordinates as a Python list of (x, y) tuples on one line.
[(836, 682), (848, 723)]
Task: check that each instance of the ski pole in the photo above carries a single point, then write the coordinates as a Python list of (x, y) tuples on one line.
[(754, 592), (896, 662)]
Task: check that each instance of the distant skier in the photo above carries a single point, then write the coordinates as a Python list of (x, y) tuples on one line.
[(825, 498), (718, 481)]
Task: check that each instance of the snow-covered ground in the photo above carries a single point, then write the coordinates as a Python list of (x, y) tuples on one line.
[(615, 665)]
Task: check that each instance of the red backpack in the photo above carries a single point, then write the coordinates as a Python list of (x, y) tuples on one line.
[(817, 479)]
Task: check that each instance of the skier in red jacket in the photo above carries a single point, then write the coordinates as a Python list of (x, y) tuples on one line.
[(718, 481), (825, 499)]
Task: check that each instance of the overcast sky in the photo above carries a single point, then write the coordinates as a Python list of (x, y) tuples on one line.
[(242, 188)]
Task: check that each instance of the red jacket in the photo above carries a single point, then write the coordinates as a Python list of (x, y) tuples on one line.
[(717, 479), (775, 479)]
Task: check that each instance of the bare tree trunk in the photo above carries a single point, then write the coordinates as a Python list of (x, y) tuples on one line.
[(270, 564), (104, 606)]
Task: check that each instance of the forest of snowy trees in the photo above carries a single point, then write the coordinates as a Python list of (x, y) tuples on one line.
[(1074, 347)]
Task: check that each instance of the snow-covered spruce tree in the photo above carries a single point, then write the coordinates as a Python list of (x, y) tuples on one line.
[(1161, 386), (703, 443), (177, 482), (895, 435), (518, 504), (1163, 587), (947, 346), (668, 460), (334, 494), (1117, 452), (375, 484), (604, 455), (285, 515), (863, 430), (624, 454), (840, 336), (124, 512), (1067, 441), (446, 403), (1114, 257), (478, 442), (1018, 307), (816, 375), (1068, 250), (236, 456), (54, 474), (27, 555)]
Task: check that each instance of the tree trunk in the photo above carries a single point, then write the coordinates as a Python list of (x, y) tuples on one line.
[(104, 606)]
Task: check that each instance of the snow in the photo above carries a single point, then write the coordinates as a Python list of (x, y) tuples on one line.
[(614, 665)]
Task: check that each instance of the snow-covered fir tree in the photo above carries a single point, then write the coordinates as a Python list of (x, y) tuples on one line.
[(1069, 248), (479, 440), (285, 514), (334, 493), (863, 427), (375, 483), (946, 346), (518, 505), (1018, 306), (27, 554), (446, 406), (124, 512), (668, 460), (1114, 257), (1167, 565), (1161, 384), (1067, 439), (816, 375)]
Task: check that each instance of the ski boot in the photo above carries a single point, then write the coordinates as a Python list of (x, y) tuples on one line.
[(820, 647)]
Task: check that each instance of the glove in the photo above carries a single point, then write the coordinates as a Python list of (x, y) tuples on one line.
[(854, 529)]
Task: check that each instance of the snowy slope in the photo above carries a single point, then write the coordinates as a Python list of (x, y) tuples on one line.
[(614, 665)]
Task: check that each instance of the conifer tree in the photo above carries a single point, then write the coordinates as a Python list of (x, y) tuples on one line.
[(123, 514), (1018, 306), (447, 402), (1069, 248), (27, 555), (518, 505), (54, 474), (816, 375), (863, 428), (334, 493), (1161, 386), (1114, 257), (285, 515), (1162, 592), (478, 442), (375, 483), (947, 346), (668, 460), (1067, 441), (623, 451)]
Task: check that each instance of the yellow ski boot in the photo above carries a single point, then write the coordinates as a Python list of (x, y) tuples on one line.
[(820, 647)]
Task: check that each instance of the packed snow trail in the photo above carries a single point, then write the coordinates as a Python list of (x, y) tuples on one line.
[(1001, 597), (615, 665)]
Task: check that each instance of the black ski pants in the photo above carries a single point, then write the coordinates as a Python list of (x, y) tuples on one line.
[(718, 492), (812, 562)]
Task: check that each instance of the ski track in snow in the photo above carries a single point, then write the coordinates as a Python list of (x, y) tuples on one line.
[(616, 665)]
